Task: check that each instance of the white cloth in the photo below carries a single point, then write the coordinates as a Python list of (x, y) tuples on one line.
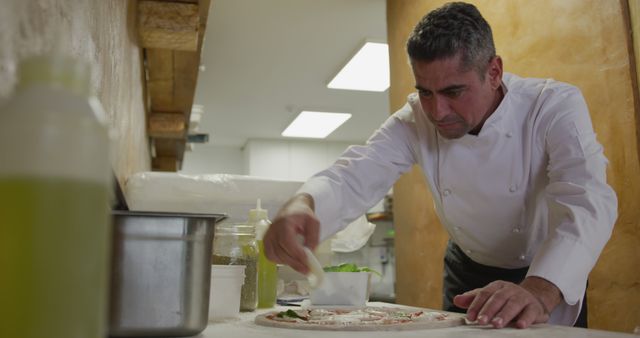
[(354, 236), (529, 189)]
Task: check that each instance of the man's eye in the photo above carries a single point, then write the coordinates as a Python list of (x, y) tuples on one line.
[(424, 93), (454, 93)]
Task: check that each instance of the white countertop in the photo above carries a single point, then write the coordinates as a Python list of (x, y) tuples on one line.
[(244, 327)]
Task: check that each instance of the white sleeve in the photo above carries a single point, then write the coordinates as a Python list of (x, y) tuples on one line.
[(582, 206), (363, 174)]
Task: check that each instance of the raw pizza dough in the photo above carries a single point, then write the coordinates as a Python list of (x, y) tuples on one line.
[(370, 318)]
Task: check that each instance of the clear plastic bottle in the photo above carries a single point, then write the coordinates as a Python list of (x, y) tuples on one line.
[(267, 270), (54, 204), (235, 244)]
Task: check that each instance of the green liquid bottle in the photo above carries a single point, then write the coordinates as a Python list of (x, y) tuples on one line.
[(267, 270), (54, 205)]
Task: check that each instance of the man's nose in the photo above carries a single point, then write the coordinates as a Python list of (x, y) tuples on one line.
[(438, 108)]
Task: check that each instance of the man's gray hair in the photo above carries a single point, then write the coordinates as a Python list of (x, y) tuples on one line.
[(456, 27)]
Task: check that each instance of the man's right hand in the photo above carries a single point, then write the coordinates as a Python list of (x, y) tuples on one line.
[(296, 219)]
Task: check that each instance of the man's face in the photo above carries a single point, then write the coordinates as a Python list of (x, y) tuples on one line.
[(457, 101)]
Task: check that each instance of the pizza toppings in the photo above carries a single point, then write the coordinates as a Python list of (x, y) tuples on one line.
[(369, 318), (291, 314), (366, 316)]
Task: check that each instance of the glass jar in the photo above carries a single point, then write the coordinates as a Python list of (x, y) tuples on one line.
[(235, 244)]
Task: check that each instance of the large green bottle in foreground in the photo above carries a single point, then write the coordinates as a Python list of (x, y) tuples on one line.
[(54, 204)]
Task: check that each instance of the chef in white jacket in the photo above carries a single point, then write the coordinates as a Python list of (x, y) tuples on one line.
[(514, 167)]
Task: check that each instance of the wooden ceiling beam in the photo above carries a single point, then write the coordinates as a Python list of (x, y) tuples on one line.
[(164, 164), (166, 147), (185, 68), (172, 34), (169, 25), (167, 125)]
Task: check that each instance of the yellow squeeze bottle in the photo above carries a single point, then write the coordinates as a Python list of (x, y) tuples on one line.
[(267, 270)]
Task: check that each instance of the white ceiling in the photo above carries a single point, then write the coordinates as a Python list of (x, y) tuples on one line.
[(266, 60)]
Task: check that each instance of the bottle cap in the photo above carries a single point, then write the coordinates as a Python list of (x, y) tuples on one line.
[(258, 213)]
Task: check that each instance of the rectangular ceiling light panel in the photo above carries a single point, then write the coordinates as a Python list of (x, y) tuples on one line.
[(368, 70), (313, 124)]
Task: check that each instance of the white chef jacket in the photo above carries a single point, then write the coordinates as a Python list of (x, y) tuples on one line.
[(529, 190)]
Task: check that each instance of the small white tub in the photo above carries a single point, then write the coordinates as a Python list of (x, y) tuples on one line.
[(226, 284)]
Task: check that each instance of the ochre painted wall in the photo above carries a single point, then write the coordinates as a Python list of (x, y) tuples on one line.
[(634, 9), (102, 33), (577, 41)]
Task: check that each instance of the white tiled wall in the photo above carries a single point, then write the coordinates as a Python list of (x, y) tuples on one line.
[(209, 159), (290, 160), (277, 159)]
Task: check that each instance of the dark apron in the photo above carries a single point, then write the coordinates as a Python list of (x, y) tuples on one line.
[(461, 274)]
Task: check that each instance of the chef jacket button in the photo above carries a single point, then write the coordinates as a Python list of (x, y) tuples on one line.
[(468, 251), (513, 188), (446, 192), (509, 134), (522, 257), (516, 230), (457, 229)]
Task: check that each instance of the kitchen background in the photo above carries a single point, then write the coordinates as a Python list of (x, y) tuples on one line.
[(256, 75)]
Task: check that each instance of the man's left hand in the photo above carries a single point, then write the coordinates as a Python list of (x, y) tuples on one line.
[(501, 302)]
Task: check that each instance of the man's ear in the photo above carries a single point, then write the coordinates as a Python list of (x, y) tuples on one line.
[(494, 72)]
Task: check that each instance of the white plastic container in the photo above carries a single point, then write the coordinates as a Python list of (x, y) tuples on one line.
[(207, 194), (342, 288), (226, 284)]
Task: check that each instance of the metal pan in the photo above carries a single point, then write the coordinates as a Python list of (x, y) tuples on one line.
[(160, 276)]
